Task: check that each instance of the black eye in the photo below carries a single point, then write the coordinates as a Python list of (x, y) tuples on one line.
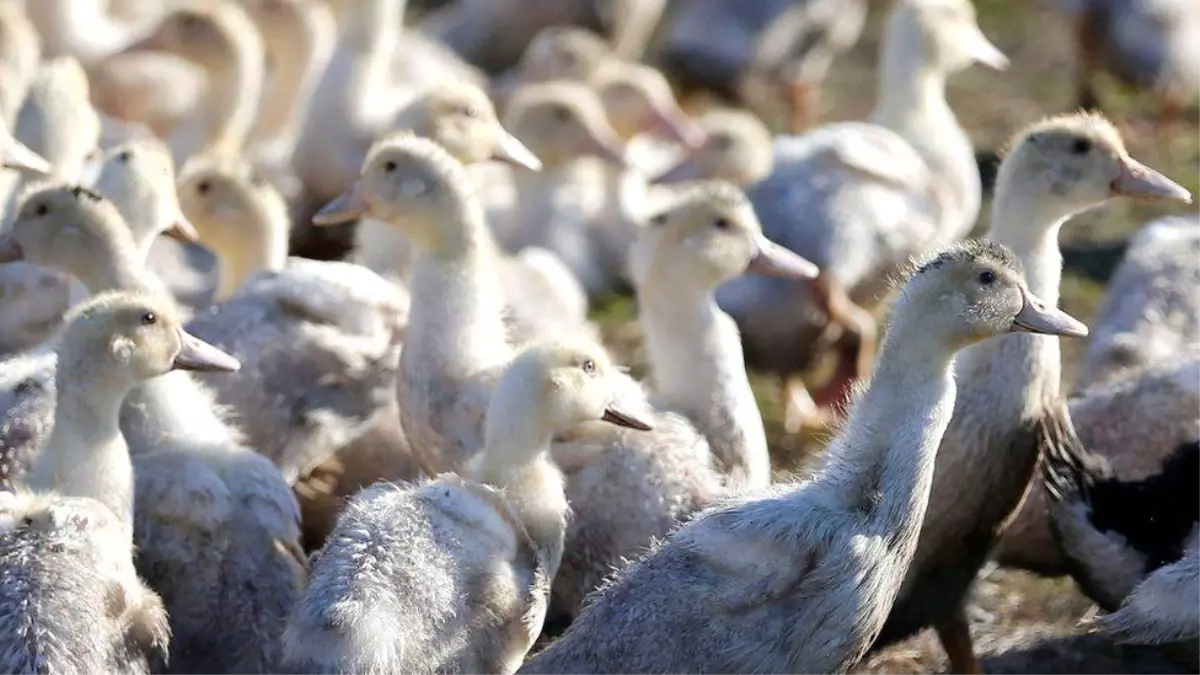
[(203, 187), (987, 277), (123, 157), (1081, 146), (389, 166), (561, 114), (149, 319), (589, 366), (41, 210), (471, 111), (660, 219), (722, 224)]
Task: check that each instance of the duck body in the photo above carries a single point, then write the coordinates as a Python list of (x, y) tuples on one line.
[(71, 598), (855, 199), (451, 530), (1132, 545), (336, 328)]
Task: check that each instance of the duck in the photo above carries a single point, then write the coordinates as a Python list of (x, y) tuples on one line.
[(222, 39), (630, 24), (68, 531), (888, 188), (1003, 419), (343, 324), (495, 35), (1148, 44), (772, 580), (493, 532), (1133, 545), (720, 44), (709, 439), (565, 207), (792, 56), (226, 575), (1148, 313), (557, 52), (541, 293), (737, 148)]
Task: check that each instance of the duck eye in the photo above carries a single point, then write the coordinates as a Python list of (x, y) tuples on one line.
[(41, 210), (1081, 146), (722, 224), (660, 219), (389, 166), (560, 113), (471, 111), (589, 367), (123, 157), (149, 319), (987, 277), (203, 187)]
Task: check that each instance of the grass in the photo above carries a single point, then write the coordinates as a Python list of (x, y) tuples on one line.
[(1020, 623)]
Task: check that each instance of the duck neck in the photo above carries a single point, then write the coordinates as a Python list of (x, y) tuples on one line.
[(881, 465), (695, 355), (1030, 228), (86, 455), (295, 61), (516, 459), (912, 102), (235, 85), (456, 324), (119, 268), (369, 36), (262, 245)]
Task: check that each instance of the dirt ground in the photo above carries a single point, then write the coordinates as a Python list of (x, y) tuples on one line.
[(1020, 623)]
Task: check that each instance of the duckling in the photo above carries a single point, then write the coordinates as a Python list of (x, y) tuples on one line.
[(67, 549), (1134, 546), (342, 324), (1149, 312), (566, 206), (1003, 419), (886, 190), (1150, 44), (467, 559), (736, 148), (792, 55), (706, 236), (540, 292), (558, 52), (226, 574), (842, 539), (223, 40)]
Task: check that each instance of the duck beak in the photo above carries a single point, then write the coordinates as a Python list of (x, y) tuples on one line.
[(198, 355), (512, 151), (614, 415), (182, 230), (16, 155), (1036, 317), (771, 259), (347, 207), (1139, 181), (686, 170), (673, 123), (10, 250), (983, 51)]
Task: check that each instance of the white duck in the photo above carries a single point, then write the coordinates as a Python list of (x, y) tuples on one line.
[(68, 549), (736, 148), (799, 578), (20, 53), (1005, 418), (467, 560), (341, 323), (191, 470), (858, 199)]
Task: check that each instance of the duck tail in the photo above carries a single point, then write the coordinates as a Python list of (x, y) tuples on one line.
[(1069, 469)]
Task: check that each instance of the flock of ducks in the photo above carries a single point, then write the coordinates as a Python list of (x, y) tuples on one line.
[(219, 458)]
